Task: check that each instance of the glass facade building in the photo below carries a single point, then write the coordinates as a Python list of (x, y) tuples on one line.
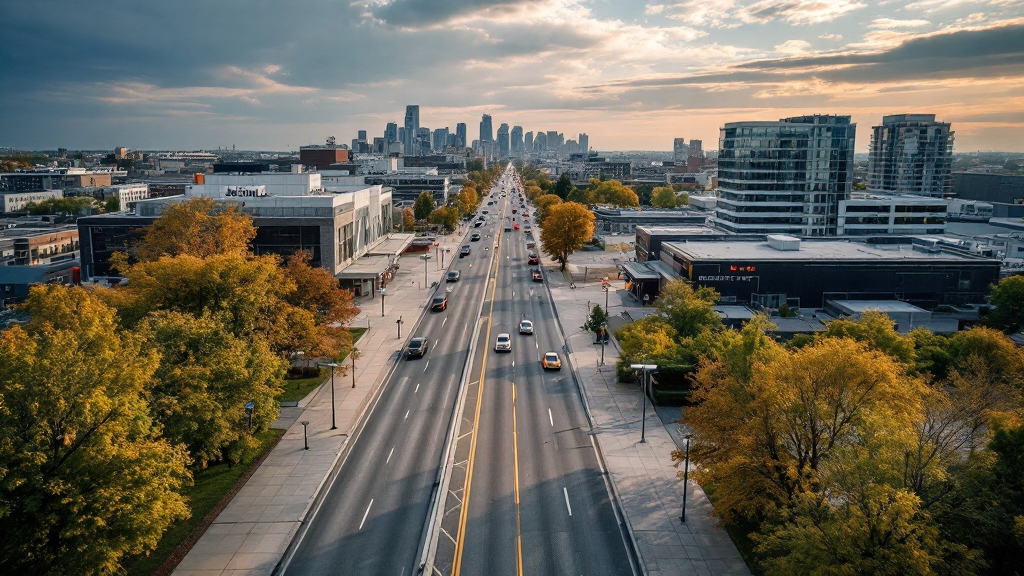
[(785, 177)]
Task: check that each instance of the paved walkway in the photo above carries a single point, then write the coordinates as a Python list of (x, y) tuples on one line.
[(649, 491), (252, 533)]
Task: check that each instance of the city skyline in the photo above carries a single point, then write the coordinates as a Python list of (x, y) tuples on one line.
[(631, 76)]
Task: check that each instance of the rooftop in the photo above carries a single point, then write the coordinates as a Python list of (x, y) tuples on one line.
[(830, 250)]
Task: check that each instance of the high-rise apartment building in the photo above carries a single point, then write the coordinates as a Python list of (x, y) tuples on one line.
[(412, 129), (460, 134), (540, 143), (503, 144), (528, 141), (516, 142), (785, 177), (584, 143), (696, 158), (422, 144), (486, 131), (554, 140), (911, 154), (680, 151), (391, 133)]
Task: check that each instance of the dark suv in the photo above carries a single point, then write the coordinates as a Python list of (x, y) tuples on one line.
[(533, 259), (417, 347), (439, 303)]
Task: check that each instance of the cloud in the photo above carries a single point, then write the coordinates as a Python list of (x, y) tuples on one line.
[(413, 14), (831, 36), (798, 11), (794, 47), (889, 23)]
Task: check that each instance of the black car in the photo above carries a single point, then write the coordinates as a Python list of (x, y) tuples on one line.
[(533, 259), (475, 237), (439, 303), (453, 276), (478, 223), (464, 252), (417, 347)]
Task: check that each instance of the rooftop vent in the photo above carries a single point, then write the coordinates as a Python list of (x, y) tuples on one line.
[(783, 243)]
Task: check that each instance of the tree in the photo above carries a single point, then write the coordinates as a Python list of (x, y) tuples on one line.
[(543, 203), (566, 227), (85, 480), (317, 293), (1008, 298), (197, 227), (446, 216), (643, 193), (468, 200), (205, 378), (66, 205), (663, 197), (563, 186), (612, 192), (596, 322), (686, 310), (112, 204), (875, 329), (424, 205), (408, 219), (584, 196)]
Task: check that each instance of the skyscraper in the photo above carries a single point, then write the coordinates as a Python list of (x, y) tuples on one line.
[(440, 139), (391, 133), (540, 143), (460, 134), (584, 143), (911, 154), (785, 177), (516, 142), (680, 151), (503, 147), (552, 140), (528, 141), (486, 131), (412, 129)]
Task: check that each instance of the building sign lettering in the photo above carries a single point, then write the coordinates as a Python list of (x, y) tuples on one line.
[(725, 278), (245, 191)]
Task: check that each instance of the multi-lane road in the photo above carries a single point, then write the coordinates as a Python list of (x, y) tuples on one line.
[(535, 501)]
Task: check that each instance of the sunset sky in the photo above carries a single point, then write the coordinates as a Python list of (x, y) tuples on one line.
[(276, 75)]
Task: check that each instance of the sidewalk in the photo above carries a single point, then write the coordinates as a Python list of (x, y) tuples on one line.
[(649, 492), (253, 532)]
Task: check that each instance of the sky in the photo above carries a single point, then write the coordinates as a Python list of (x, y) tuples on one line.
[(271, 75)]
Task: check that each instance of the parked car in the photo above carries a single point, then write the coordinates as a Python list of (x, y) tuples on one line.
[(551, 361), (439, 303), (525, 327), (453, 276), (417, 347), (503, 343)]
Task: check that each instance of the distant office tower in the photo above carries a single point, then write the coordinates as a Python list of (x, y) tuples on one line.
[(391, 133), (696, 148), (422, 144), (460, 134), (696, 158), (785, 177), (440, 139), (680, 151), (584, 143), (380, 145), (412, 129), (486, 131), (540, 143), (516, 142), (911, 154), (452, 141), (528, 141), (503, 147), (553, 142), (362, 135)]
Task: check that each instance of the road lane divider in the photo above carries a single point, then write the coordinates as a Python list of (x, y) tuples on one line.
[(365, 514), (551, 418), (566, 492), (389, 455), (515, 483)]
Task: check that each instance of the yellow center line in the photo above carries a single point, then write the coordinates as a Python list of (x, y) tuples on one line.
[(464, 513), (515, 467)]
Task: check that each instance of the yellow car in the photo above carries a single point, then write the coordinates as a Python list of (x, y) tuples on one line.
[(550, 361)]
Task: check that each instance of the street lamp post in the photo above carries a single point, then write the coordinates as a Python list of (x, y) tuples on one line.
[(686, 474), (399, 322), (604, 331), (383, 293), (305, 439), (643, 420), (354, 354), (333, 365)]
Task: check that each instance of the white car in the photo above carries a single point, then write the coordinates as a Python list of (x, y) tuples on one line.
[(526, 327), (503, 343)]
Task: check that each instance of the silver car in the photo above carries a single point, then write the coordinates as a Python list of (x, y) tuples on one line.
[(526, 327)]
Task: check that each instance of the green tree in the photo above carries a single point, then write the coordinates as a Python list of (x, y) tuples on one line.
[(663, 197), (112, 204), (198, 227), (563, 186), (596, 322), (205, 378), (686, 310), (612, 192), (424, 205), (66, 205), (1008, 298), (877, 330), (584, 196), (566, 227), (644, 193), (85, 480)]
